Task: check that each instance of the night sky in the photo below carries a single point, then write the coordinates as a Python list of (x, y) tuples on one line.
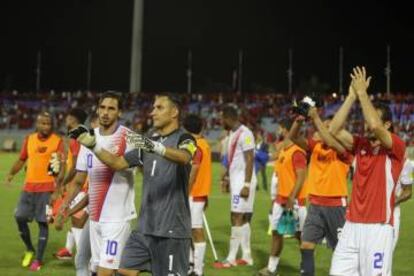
[(214, 29)]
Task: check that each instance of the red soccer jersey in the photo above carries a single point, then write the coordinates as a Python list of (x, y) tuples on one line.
[(376, 174)]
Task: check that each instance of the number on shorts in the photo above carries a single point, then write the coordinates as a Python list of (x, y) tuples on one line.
[(154, 163), (111, 247), (378, 260), (236, 199), (89, 160)]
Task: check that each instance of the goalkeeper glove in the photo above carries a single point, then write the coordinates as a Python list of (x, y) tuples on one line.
[(302, 108), (141, 142), (84, 136), (54, 165)]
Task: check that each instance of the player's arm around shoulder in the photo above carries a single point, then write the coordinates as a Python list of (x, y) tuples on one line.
[(114, 161)]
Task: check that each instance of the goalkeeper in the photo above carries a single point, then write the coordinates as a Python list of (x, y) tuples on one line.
[(161, 244), (327, 183)]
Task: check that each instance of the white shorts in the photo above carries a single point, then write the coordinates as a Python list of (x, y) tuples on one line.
[(277, 213), (363, 249), (107, 243), (397, 219), (239, 204), (197, 210)]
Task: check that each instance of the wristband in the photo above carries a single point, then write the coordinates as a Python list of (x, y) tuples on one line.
[(159, 148)]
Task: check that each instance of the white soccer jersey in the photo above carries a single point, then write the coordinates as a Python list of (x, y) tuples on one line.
[(111, 193), (406, 176), (239, 141)]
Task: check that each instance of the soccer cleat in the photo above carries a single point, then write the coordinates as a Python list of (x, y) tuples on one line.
[(265, 272), (27, 258), (63, 254), (224, 264), (190, 269), (36, 265), (243, 262)]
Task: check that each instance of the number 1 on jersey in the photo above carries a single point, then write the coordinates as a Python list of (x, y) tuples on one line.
[(154, 163)]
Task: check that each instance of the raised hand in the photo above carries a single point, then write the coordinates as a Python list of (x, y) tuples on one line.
[(139, 141), (360, 81), (84, 136), (313, 112), (302, 108)]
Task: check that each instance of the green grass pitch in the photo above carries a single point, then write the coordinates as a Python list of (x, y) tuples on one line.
[(11, 247)]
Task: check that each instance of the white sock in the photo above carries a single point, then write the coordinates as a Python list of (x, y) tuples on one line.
[(199, 252), (70, 241), (191, 255), (76, 232), (245, 242), (235, 240), (273, 262)]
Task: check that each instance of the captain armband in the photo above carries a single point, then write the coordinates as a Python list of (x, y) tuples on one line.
[(188, 145)]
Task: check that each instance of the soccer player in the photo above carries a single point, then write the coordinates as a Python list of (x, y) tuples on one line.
[(73, 119), (291, 193), (240, 158), (111, 193), (366, 241), (200, 186), (403, 192), (161, 243), (261, 157), (327, 183), (37, 150)]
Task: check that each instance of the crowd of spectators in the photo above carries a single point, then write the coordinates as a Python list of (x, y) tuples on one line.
[(18, 109)]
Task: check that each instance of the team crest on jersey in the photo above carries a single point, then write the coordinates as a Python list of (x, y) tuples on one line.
[(363, 152), (42, 149), (248, 140), (114, 149)]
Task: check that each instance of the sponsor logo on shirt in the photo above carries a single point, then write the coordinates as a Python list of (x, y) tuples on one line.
[(42, 149)]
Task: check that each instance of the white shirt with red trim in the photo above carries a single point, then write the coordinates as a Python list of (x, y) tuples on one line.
[(239, 141), (406, 177), (111, 193), (377, 170)]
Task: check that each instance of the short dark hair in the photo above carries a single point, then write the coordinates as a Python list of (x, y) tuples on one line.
[(79, 114), (230, 111), (45, 114), (113, 95), (193, 123), (174, 98), (286, 123), (386, 113)]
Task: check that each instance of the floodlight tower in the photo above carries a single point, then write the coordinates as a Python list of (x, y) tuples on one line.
[(136, 46)]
